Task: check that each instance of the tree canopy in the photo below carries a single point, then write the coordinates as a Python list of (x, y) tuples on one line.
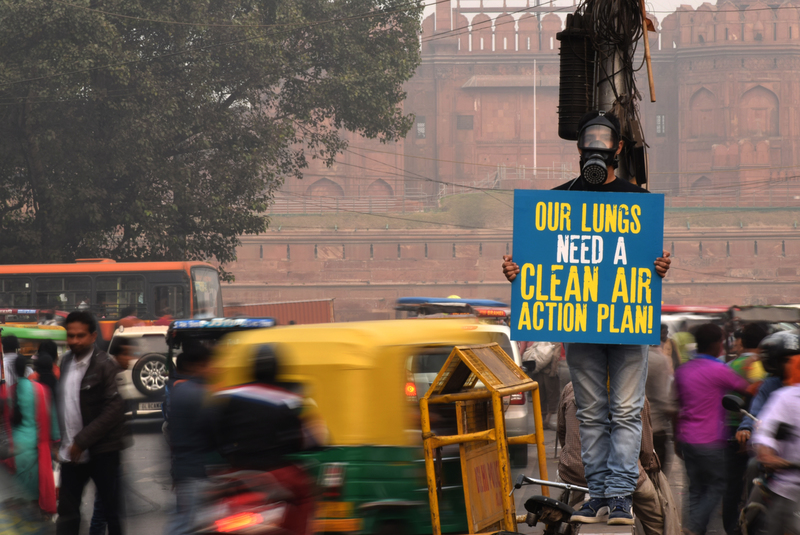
[(153, 129)]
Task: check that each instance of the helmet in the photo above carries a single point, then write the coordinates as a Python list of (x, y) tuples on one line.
[(265, 364), (776, 348)]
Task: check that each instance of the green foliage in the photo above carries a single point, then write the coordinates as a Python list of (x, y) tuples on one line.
[(152, 129)]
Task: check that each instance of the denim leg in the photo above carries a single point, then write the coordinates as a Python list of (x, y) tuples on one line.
[(705, 468), (588, 368), (627, 370), (187, 498)]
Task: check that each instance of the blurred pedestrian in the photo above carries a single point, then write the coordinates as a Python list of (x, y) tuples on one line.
[(33, 431), (541, 363), (164, 317), (10, 352), (191, 434), (669, 348), (127, 318), (700, 436), (686, 346), (658, 390), (92, 419), (44, 373), (123, 354), (747, 365)]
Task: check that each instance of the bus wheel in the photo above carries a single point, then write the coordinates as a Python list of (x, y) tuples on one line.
[(150, 375)]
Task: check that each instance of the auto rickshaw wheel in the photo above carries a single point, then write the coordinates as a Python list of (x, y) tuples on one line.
[(392, 527)]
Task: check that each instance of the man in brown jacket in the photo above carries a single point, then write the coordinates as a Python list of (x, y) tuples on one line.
[(92, 420)]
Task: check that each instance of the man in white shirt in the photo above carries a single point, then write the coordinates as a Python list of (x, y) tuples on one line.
[(10, 348), (92, 419)]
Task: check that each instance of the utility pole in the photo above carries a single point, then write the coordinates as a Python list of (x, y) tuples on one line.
[(611, 84)]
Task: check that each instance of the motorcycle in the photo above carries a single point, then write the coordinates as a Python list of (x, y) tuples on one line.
[(754, 514), (554, 514), (277, 502)]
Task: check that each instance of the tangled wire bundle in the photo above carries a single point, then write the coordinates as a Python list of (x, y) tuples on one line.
[(615, 29)]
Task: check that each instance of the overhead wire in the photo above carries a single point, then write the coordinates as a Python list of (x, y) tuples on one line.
[(482, 190), (399, 218)]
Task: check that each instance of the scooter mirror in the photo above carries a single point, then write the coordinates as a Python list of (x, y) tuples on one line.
[(732, 402)]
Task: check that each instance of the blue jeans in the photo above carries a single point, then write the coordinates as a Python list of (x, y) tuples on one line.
[(187, 498), (608, 381), (705, 468)]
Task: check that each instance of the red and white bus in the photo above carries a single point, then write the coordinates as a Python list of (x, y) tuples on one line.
[(105, 287)]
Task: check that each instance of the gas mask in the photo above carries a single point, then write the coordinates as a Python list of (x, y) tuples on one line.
[(598, 142)]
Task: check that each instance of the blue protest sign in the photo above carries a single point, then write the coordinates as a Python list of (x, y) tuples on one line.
[(586, 267)]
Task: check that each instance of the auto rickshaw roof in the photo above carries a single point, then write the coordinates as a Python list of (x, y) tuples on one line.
[(356, 372), (402, 301), (369, 334), (770, 314), (33, 332), (214, 327)]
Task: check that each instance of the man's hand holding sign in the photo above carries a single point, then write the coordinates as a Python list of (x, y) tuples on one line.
[(584, 275), (586, 267)]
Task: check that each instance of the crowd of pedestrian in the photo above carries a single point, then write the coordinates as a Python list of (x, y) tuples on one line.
[(67, 426), (723, 451)]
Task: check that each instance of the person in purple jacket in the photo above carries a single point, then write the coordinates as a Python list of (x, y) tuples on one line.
[(700, 438)]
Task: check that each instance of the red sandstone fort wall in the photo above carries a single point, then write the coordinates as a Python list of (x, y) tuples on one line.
[(366, 271)]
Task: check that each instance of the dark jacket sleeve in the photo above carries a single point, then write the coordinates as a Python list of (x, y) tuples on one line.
[(768, 386), (112, 415)]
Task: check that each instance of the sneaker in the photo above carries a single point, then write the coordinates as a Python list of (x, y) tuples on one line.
[(620, 511), (594, 511)]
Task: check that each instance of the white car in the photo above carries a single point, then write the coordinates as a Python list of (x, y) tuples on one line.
[(427, 364), (143, 384)]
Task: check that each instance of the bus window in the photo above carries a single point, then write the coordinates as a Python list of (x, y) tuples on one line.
[(170, 301), (64, 293), (15, 293), (207, 294), (118, 292)]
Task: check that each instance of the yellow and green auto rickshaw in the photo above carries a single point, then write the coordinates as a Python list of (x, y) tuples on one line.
[(361, 378), (30, 336)]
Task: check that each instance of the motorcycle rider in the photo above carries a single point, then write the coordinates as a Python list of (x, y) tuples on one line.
[(775, 349), (777, 444), (191, 436), (259, 424)]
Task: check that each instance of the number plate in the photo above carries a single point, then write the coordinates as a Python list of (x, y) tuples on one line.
[(154, 406)]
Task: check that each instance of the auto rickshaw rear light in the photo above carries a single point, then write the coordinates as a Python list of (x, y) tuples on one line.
[(411, 391), (517, 399), (238, 522), (331, 479)]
